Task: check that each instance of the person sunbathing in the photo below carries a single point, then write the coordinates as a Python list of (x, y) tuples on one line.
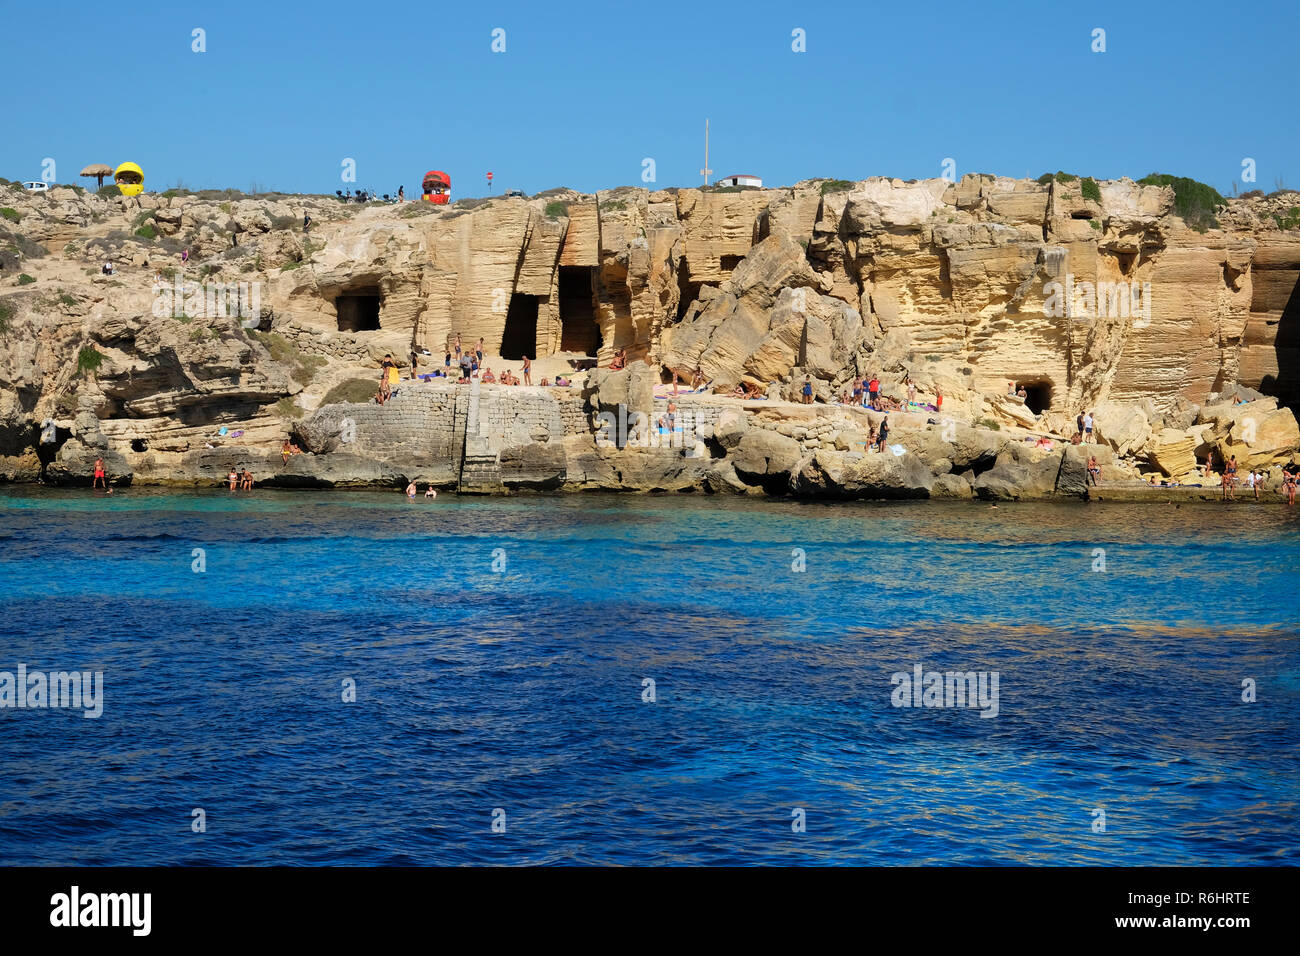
[(488, 378)]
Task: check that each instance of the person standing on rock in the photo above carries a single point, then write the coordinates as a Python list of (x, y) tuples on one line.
[(807, 390), (233, 478), (884, 432), (1288, 486), (456, 348), (415, 362), (100, 477), (1087, 427), (873, 390), (401, 194), (478, 352), (306, 223), (528, 371), (1094, 471)]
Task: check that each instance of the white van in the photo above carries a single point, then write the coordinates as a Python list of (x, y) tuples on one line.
[(36, 187)]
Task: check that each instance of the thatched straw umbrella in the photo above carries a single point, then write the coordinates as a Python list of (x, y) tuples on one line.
[(99, 171)]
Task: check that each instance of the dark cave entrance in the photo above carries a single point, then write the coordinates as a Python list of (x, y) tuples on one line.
[(579, 330), (1285, 385), (1038, 396), (520, 335), (358, 310)]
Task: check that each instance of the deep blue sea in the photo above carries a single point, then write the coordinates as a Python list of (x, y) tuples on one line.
[(500, 649)]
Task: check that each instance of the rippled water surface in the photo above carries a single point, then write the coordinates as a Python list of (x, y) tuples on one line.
[(521, 688)]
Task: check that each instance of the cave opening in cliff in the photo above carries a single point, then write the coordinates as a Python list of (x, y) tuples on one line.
[(520, 335), (687, 291), (729, 263), (1038, 396), (1285, 385), (579, 330), (358, 310)]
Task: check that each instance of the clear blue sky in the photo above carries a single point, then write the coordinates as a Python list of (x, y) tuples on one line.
[(586, 90)]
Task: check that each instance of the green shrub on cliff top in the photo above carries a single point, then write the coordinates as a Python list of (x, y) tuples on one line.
[(1195, 202), (836, 186), (556, 209), (1060, 176), (1290, 221), (1090, 189)]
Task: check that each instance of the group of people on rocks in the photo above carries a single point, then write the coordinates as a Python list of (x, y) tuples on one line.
[(470, 363)]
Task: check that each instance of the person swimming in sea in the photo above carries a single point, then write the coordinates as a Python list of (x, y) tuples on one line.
[(410, 490)]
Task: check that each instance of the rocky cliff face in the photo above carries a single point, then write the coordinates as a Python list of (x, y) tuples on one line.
[(1106, 302)]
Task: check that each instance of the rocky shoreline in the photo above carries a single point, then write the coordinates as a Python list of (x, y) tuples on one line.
[(944, 292)]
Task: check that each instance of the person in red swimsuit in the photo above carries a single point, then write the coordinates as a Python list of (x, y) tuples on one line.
[(100, 478)]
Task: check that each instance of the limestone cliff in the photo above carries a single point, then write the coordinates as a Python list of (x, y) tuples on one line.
[(1098, 299)]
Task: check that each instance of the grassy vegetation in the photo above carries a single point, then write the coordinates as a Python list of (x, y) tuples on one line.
[(836, 186), (147, 232), (556, 209), (1088, 186), (89, 360), (109, 191), (988, 423), (1095, 224), (1060, 176), (25, 279), (302, 367), (1195, 202), (287, 407), (291, 265), (356, 391), (13, 215), (67, 301), (613, 205), (6, 316), (1291, 220)]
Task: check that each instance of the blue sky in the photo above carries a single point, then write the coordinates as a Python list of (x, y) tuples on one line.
[(585, 91)]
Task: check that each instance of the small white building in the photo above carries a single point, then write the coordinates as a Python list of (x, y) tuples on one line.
[(740, 179)]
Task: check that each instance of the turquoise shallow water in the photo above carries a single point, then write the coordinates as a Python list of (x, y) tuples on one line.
[(520, 688)]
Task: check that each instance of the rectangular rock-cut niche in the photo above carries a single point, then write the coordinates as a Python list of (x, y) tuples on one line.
[(579, 330), (520, 335), (358, 309), (1038, 396)]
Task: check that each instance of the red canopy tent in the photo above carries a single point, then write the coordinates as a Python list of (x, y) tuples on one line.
[(437, 187)]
